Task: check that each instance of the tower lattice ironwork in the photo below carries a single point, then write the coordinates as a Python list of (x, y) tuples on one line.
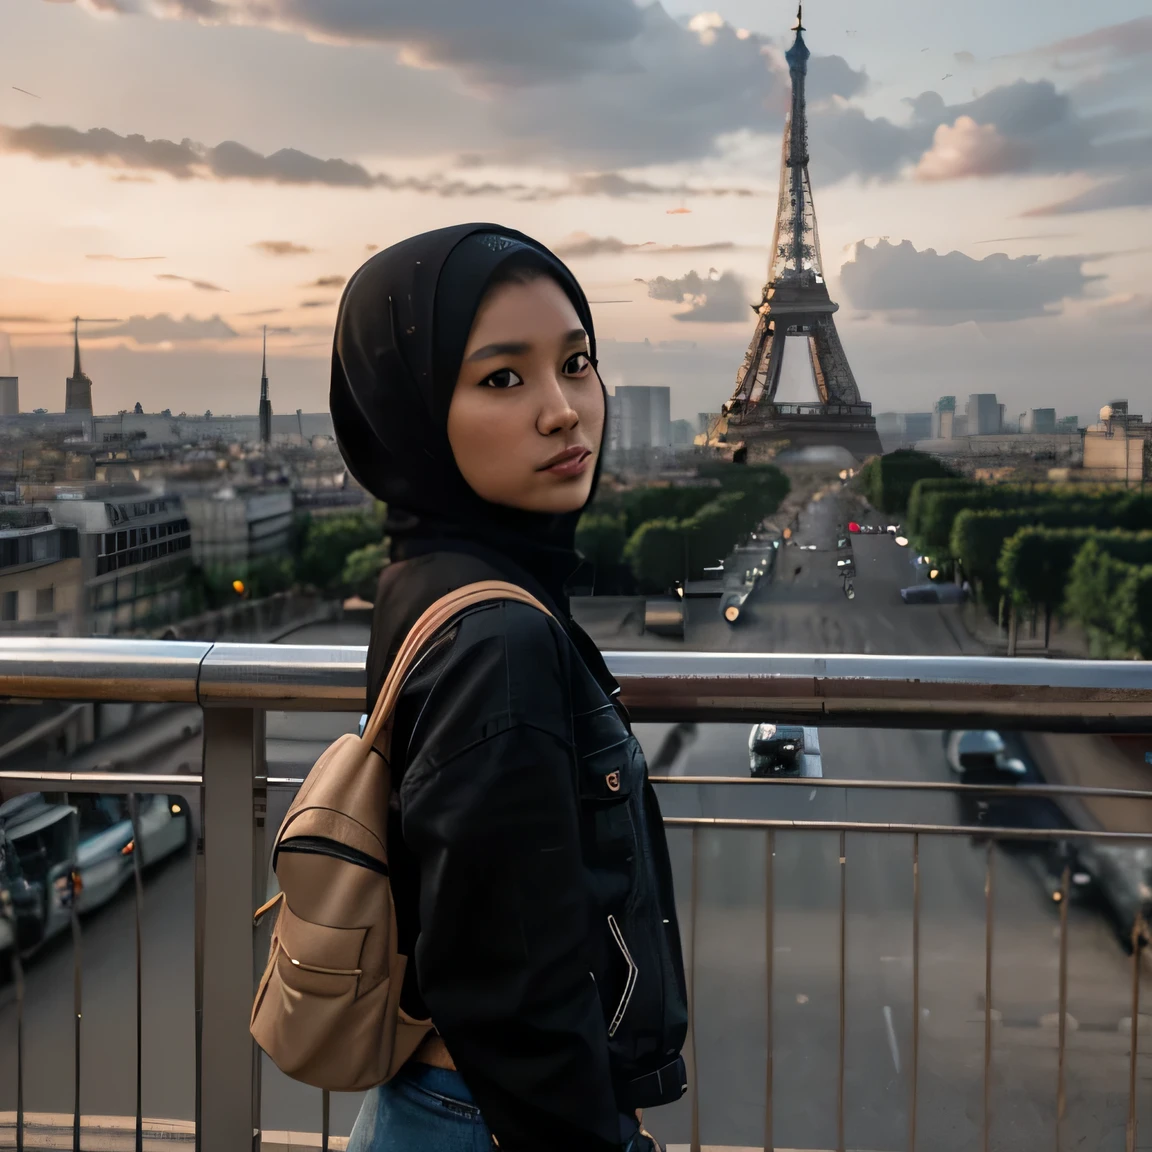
[(795, 300)]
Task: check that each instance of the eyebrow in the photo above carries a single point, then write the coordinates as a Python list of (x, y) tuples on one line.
[(519, 347)]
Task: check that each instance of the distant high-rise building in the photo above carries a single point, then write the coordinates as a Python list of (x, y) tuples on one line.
[(682, 433), (984, 414), (265, 403), (78, 387), (644, 415), (9, 395), (1040, 420), (943, 413)]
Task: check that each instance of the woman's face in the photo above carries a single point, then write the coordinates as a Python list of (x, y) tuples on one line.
[(527, 415)]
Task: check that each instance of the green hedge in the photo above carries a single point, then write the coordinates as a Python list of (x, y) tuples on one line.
[(888, 481)]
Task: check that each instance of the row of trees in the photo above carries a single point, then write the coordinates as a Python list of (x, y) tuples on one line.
[(334, 555), (651, 537), (1101, 580), (636, 539), (1081, 552)]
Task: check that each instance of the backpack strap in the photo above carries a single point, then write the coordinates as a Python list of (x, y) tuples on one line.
[(434, 617)]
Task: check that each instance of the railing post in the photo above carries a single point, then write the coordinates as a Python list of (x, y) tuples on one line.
[(232, 821)]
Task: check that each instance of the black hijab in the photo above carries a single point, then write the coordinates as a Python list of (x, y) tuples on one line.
[(402, 328)]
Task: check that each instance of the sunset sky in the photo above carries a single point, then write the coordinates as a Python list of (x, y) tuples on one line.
[(182, 172)]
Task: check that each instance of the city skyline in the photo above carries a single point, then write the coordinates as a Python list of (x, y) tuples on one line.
[(960, 215)]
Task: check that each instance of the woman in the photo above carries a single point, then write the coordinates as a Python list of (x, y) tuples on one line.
[(528, 862)]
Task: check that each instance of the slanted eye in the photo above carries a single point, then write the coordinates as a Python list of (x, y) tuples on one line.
[(577, 364), (502, 378)]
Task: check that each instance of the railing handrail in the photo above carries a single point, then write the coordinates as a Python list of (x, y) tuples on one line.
[(836, 690)]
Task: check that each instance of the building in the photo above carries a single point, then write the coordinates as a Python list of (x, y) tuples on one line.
[(1040, 420), (1116, 448), (943, 418), (135, 549), (78, 387), (984, 415), (40, 574), (233, 528), (9, 395), (682, 433), (640, 417)]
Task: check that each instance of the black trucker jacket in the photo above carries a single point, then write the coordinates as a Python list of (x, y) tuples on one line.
[(530, 872)]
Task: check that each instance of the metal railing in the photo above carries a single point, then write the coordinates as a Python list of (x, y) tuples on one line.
[(237, 683)]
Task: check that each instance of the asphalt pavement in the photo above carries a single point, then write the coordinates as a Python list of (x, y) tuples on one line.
[(882, 1052)]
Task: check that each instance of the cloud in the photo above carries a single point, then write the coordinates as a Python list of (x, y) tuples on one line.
[(1133, 190), (317, 303), (966, 149), (164, 328), (232, 161), (335, 281), (1114, 41), (263, 312), (123, 259), (200, 285), (963, 57), (600, 83), (719, 297), (281, 248), (582, 245), (924, 287), (1133, 309), (1028, 236)]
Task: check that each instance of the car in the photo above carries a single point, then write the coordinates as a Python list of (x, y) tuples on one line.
[(783, 750), (21, 908), (84, 850), (933, 594), (1116, 877)]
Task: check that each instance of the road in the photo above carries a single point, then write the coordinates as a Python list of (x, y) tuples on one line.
[(808, 613)]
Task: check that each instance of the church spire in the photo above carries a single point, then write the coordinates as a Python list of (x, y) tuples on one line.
[(265, 402), (76, 347)]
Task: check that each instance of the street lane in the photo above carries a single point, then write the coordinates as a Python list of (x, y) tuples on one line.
[(807, 614)]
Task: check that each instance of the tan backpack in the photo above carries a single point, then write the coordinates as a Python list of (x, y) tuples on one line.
[(327, 1010)]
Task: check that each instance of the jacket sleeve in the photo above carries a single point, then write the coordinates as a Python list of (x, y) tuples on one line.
[(489, 808)]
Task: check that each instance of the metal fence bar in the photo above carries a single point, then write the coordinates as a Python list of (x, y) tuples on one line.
[(694, 909), (77, 975), (233, 846), (990, 833), (1139, 930), (989, 905), (769, 975), (915, 1069), (146, 784), (1065, 893), (835, 690), (911, 786), (843, 1004), (138, 876)]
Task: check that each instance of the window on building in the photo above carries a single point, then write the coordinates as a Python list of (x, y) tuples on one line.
[(9, 605), (46, 600)]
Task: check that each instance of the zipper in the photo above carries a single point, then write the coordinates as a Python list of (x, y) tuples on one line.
[(322, 846)]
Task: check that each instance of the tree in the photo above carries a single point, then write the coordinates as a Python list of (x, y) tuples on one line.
[(887, 481), (329, 541), (656, 553), (362, 569)]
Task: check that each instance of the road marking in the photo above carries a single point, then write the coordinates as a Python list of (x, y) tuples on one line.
[(892, 1038)]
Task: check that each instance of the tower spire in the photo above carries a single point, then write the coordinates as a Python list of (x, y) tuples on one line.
[(265, 402), (795, 302), (76, 347)]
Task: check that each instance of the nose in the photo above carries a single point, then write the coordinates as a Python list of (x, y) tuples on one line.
[(556, 412)]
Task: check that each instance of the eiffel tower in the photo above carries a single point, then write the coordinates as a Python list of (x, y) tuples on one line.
[(795, 302)]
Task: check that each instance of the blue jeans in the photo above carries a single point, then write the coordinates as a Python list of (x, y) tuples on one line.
[(423, 1109)]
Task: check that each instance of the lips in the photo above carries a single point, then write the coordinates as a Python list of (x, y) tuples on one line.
[(568, 456)]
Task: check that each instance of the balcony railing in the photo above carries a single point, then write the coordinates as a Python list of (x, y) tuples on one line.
[(236, 684)]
